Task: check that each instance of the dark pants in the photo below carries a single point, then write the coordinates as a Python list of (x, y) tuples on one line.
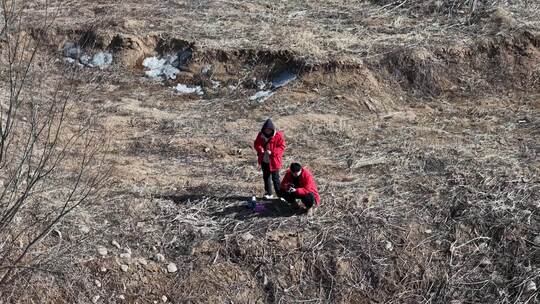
[(269, 178), (308, 200)]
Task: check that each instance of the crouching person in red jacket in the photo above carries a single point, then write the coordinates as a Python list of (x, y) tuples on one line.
[(270, 145), (298, 183)]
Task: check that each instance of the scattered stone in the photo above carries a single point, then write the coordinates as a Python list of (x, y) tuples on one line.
[(159, 257), (103, 269), (125, 255), (95, 299), (102, 251), (485, 262), (389, 246), (121, 297), (206, 150), (124, 267), (115, 244), (205, 231), (98, 283), (57, 233), (142, 261), (215, 84), (164, 299), (84, 229), (530, 287), (429, 231), (247, 236), (502, 17), (537, 240), (482, 246), (261, 96), (206, 69), (183, 89), (171, 268)]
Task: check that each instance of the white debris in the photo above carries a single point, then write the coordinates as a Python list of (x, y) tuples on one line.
[(171, 268), (74, 54), (153, 73), (207, 69), (95, 299), (84, 229), (85, 59), (124, 267), (153, 63), (115, 244), (102, 60), (98, 283), (102, 251), (261, 96), (531, 286), (160, 257), (125, 255), (183, 89), (160, 67), (169, 71), (389, 246), (103, 269), (71, 50), (247, 236), (121, 297), (164, 299), (537, 240), (215, 84)]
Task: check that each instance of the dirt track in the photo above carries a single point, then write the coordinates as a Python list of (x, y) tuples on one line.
[(426, 158)]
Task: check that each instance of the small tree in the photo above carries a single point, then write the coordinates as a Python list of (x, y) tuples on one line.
[(50, 159)]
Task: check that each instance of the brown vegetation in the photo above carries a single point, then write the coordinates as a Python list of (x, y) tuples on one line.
[(420, 123)]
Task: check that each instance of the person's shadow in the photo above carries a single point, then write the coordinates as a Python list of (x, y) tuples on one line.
[(265, 208)]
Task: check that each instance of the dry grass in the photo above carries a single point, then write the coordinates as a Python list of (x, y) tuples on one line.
[(427, 162), (314, 29)]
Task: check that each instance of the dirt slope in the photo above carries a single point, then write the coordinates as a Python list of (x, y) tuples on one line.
[(424, 141)]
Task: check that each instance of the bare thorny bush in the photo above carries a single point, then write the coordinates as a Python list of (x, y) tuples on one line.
[(50, 159)]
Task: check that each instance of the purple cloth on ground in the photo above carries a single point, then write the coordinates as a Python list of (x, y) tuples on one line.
[(260, 208)]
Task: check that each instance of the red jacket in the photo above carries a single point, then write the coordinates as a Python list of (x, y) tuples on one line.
[(276, 145), (306, 184)]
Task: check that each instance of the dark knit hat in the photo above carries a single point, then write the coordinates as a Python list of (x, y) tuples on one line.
[(296, 167), (268, 124)]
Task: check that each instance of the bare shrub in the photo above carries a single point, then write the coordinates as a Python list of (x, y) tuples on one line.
[(50, 162)]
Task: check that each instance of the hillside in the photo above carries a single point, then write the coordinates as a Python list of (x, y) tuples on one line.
[(419, 119)]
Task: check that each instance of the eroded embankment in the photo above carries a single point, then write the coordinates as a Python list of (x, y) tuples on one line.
[(497, 63)]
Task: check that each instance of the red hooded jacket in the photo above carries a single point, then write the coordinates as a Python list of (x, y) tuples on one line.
[(306, 184), (276, 145)]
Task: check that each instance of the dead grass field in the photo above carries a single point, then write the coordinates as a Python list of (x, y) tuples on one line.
[(421, 127)]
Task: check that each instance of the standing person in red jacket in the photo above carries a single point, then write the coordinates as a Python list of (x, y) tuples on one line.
[(270, 145), (298, 183)]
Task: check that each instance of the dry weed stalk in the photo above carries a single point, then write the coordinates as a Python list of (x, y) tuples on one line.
[(49, 165)]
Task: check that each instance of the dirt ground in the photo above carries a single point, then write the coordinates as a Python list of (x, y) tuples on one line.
[(422, 129)]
